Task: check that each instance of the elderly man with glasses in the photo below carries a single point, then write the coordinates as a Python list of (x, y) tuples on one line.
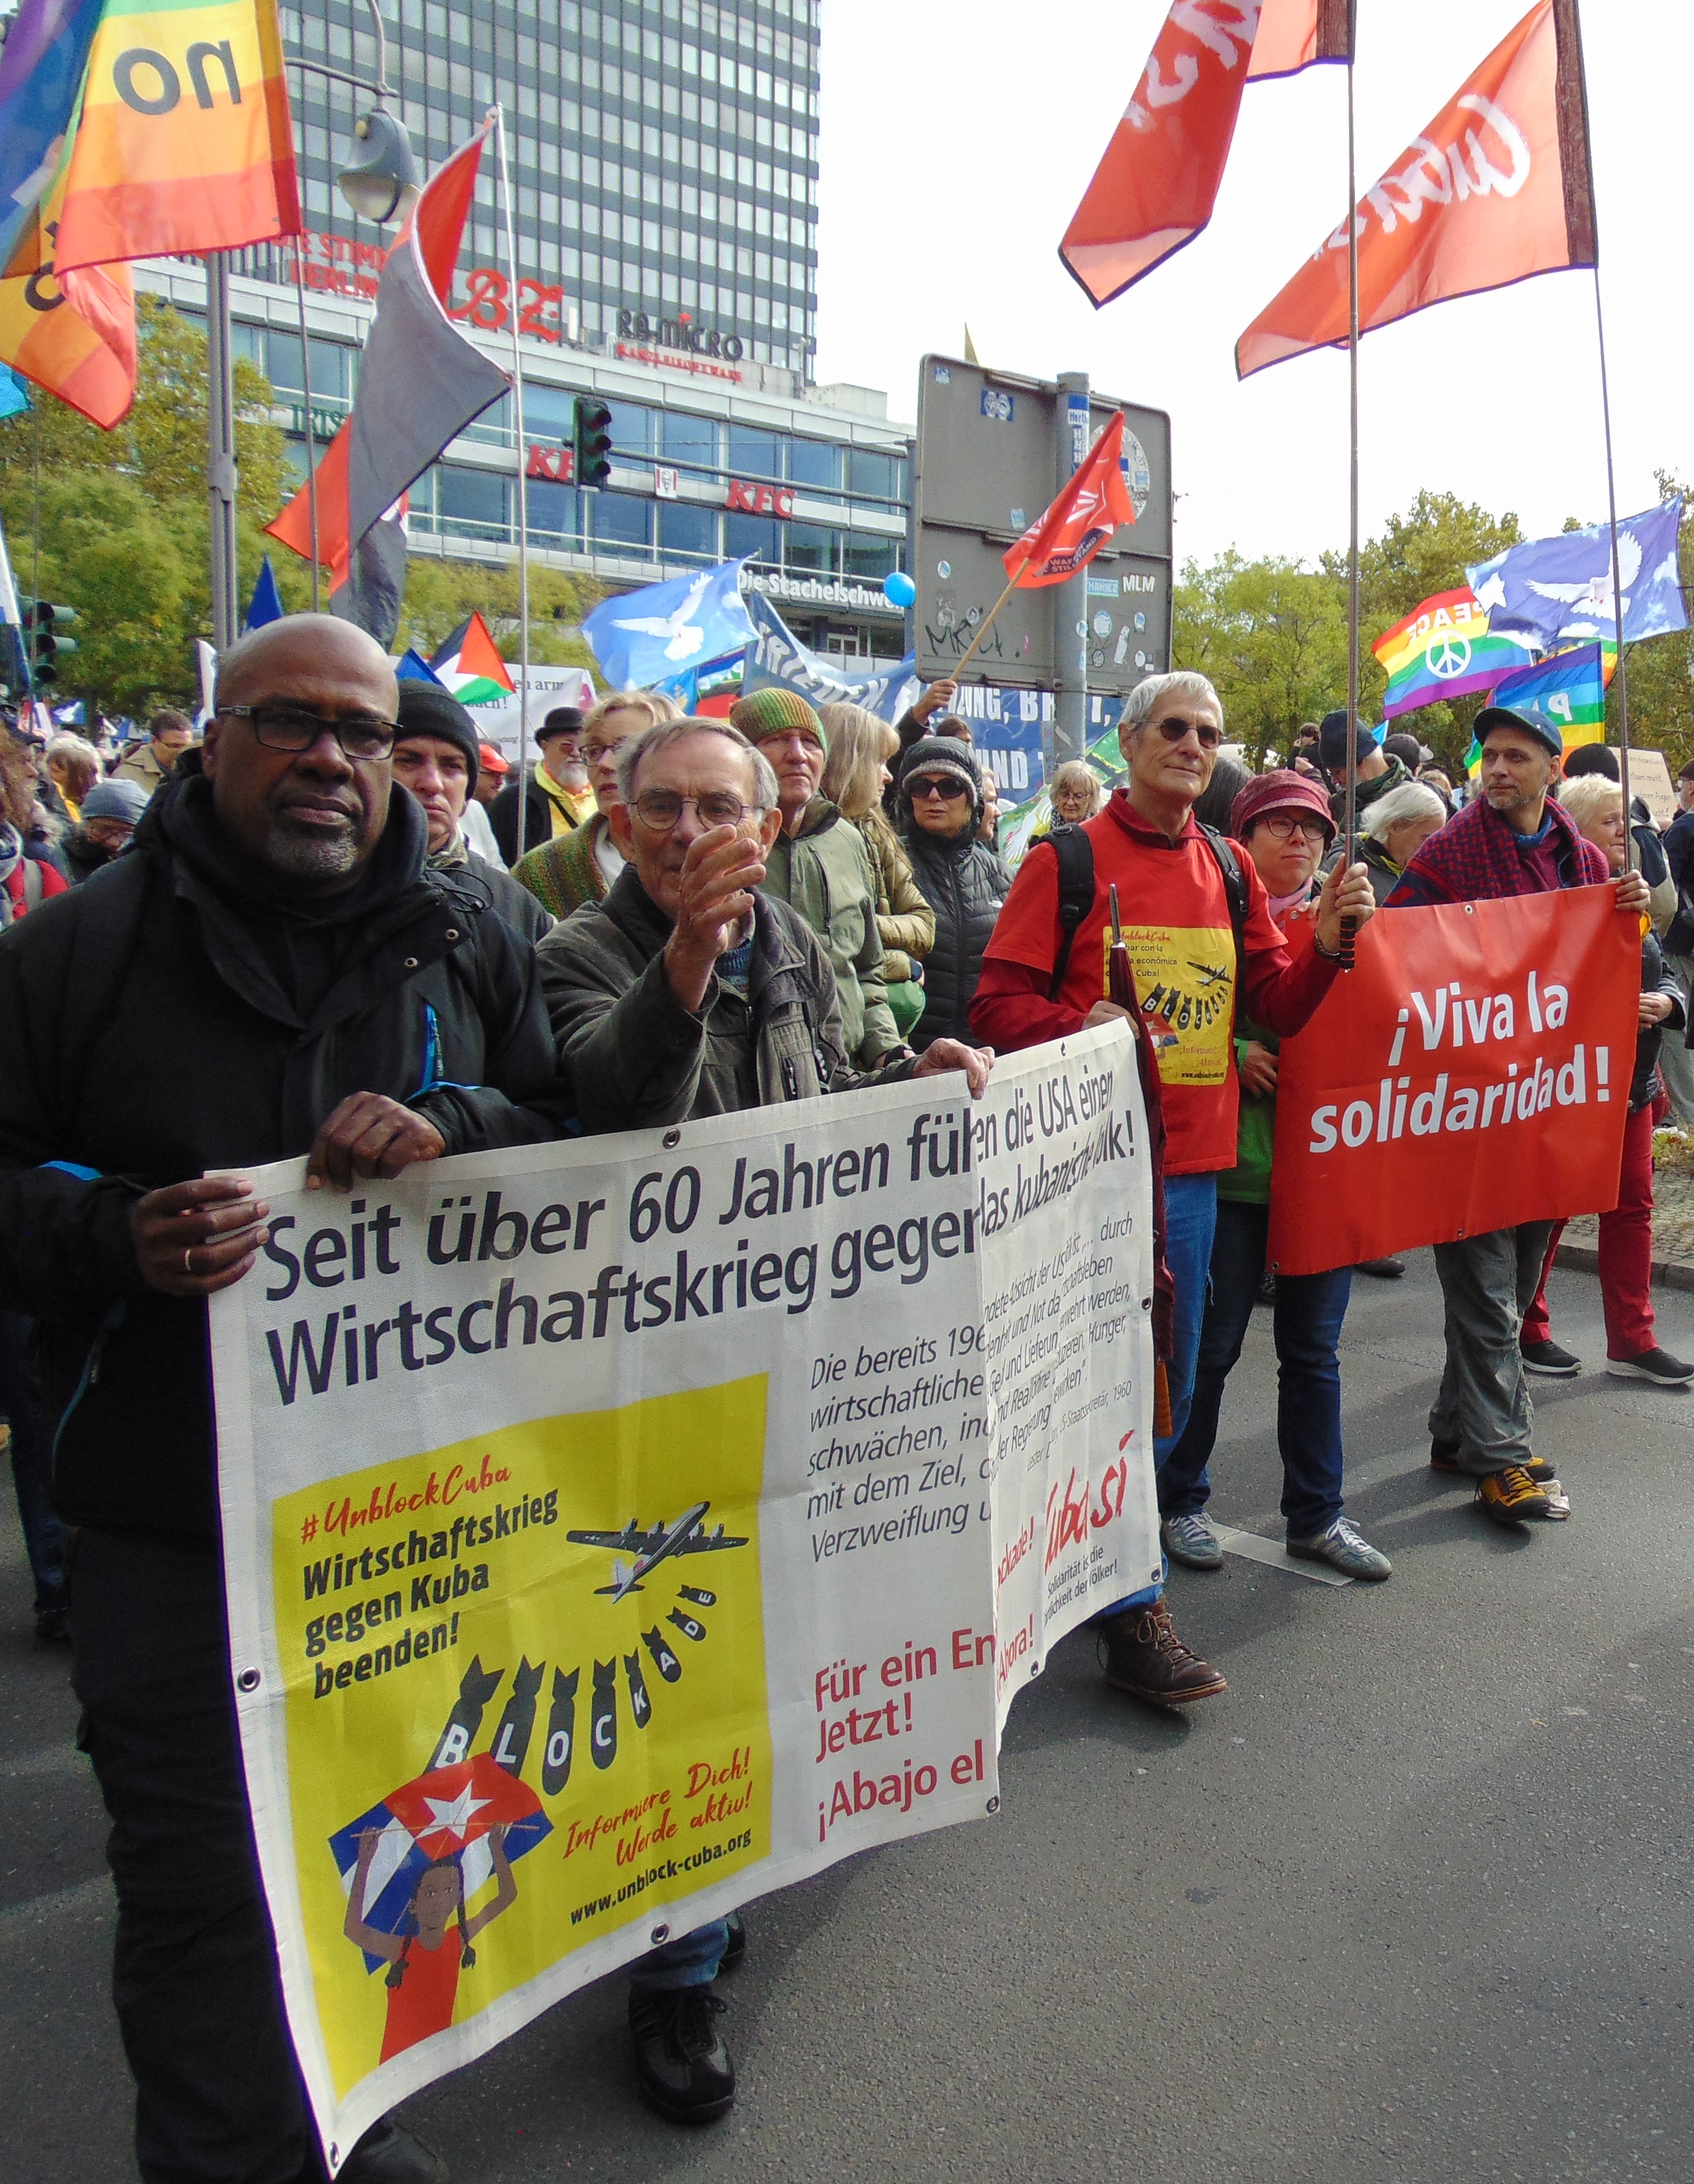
[(1201, 938), (690, 991), (269, 973)]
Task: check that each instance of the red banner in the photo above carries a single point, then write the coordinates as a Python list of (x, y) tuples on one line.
[(1470, 1072), (1498, 188), (1079, 520)]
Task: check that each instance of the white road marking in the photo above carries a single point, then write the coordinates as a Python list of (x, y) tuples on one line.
[(1257, 1549)]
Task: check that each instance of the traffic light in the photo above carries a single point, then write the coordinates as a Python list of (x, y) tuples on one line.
[(593, 443), (43, 647)]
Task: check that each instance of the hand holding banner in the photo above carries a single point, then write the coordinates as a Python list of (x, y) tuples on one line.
[(1472, 1073)]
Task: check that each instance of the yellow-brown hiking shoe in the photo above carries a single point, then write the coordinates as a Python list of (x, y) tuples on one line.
[(1511, 1497)]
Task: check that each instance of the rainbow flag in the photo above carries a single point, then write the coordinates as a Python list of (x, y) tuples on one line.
[(73, 334), (1444, 649), (1570, 688), (183, 142)]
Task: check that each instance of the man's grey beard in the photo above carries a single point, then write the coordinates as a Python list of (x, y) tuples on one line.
[(311, 856)]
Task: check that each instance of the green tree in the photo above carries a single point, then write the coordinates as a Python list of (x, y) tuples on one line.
[(440, 594), (1272, 635)]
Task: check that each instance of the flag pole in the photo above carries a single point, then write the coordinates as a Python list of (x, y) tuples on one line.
[(522, 489), (1351, 814), (1616, 592), (306, 389), (970, 652)]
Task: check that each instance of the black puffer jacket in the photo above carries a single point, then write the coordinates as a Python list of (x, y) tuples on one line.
[(160, 1022), (964, 883)]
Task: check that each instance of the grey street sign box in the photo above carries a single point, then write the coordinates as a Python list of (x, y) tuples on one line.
[(984, 470)]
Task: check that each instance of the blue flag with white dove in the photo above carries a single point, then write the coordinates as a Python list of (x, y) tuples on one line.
[(643, 637), (1558, 591)]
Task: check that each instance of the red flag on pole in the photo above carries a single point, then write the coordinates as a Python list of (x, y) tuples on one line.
[(1154, 190), (1080, 520), (1498, 188), (419, 381)]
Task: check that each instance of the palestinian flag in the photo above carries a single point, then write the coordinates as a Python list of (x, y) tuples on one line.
[(471, 667)]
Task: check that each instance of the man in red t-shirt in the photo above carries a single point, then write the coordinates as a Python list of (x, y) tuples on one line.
[(1174, 907)]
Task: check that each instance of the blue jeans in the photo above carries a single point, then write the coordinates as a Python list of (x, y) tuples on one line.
[(691, 1960), (1308, 1315), (1190, 1216)]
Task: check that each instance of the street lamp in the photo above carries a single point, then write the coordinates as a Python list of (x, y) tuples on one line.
[(385, 179)]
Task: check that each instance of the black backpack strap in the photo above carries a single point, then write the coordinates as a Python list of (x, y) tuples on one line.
[(1235, 887), (1075, 852)]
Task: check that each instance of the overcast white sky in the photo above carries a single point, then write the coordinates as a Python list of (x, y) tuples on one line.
[(957, 141)]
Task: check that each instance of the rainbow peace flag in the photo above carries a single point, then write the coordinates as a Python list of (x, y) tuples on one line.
[(74, 335), (1444, 649), (1568, 687), (183, 142)]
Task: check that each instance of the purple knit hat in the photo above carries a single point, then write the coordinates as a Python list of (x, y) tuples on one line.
[(1281, 790)]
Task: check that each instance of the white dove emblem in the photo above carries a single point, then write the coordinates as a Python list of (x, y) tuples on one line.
[(685, 636), (1596, 595)]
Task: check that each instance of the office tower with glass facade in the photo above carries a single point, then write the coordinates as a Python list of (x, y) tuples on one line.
[(664, 163)]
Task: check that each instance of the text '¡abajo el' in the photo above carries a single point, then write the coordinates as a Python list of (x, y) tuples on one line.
[(343, 1351), (1450, 1021)]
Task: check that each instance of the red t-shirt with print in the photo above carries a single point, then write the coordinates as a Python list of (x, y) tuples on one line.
[(1175, 915)]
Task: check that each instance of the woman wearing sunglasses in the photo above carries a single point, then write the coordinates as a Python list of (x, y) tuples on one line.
[(940, 810), (1197, 920)]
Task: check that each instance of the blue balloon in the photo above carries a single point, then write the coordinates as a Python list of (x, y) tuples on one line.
[(898, 589)]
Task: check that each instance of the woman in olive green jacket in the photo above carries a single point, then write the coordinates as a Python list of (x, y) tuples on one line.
[(860, 747)]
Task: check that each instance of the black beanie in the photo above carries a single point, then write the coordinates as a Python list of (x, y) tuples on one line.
[(427, 709)]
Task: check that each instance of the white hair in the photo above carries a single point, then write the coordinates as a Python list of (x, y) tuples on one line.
[(1198, 689), (1411, 801), (634, 748)]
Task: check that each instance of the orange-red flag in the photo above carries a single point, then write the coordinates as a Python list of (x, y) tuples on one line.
[(1155, 188), (1080, 520), (1498, 187)]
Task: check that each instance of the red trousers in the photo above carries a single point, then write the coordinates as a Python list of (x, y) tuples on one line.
[(1625, 1253)]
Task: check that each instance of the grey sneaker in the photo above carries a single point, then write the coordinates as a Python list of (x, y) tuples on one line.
[(1345, 1548), (1192, 1541)]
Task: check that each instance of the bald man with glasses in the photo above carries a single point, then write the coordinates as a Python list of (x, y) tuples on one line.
[(271, 972), (1202, 943)]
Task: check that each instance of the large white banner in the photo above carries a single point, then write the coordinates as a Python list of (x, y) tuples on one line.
[(1067, 1340), (613, 1529)]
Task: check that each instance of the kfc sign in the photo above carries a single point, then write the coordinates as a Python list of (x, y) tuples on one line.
[(557, 464), (777, 500)]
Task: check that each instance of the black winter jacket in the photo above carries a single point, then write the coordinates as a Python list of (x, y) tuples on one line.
[(151, 1032), (964, 883)]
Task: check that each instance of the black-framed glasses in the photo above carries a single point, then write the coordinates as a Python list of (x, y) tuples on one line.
[(1173, 731), (362, 735), (1283, 824), (929, 784), (661, 809)]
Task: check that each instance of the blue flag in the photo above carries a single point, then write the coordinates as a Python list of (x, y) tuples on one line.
[(41, 70), (777, 655), (266, 603), (1558, 591), (651, 636), (412, 667), (13, 395)]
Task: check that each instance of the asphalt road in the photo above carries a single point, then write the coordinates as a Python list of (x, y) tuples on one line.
[(1411, 1901)]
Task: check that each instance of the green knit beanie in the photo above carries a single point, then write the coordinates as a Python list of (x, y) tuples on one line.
[(776, 710)]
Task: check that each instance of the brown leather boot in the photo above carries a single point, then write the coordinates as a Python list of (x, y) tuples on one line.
[(1141, 1653)]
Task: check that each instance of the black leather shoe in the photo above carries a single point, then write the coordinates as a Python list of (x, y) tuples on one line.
[(389, 2155), (681, 2066)]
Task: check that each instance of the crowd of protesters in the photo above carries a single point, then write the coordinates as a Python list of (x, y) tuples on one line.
[(662, 918)]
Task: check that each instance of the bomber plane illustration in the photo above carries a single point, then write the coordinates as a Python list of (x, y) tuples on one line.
[(687, 1536)]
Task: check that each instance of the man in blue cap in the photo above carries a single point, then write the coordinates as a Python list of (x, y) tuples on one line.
[(1512, 839)]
